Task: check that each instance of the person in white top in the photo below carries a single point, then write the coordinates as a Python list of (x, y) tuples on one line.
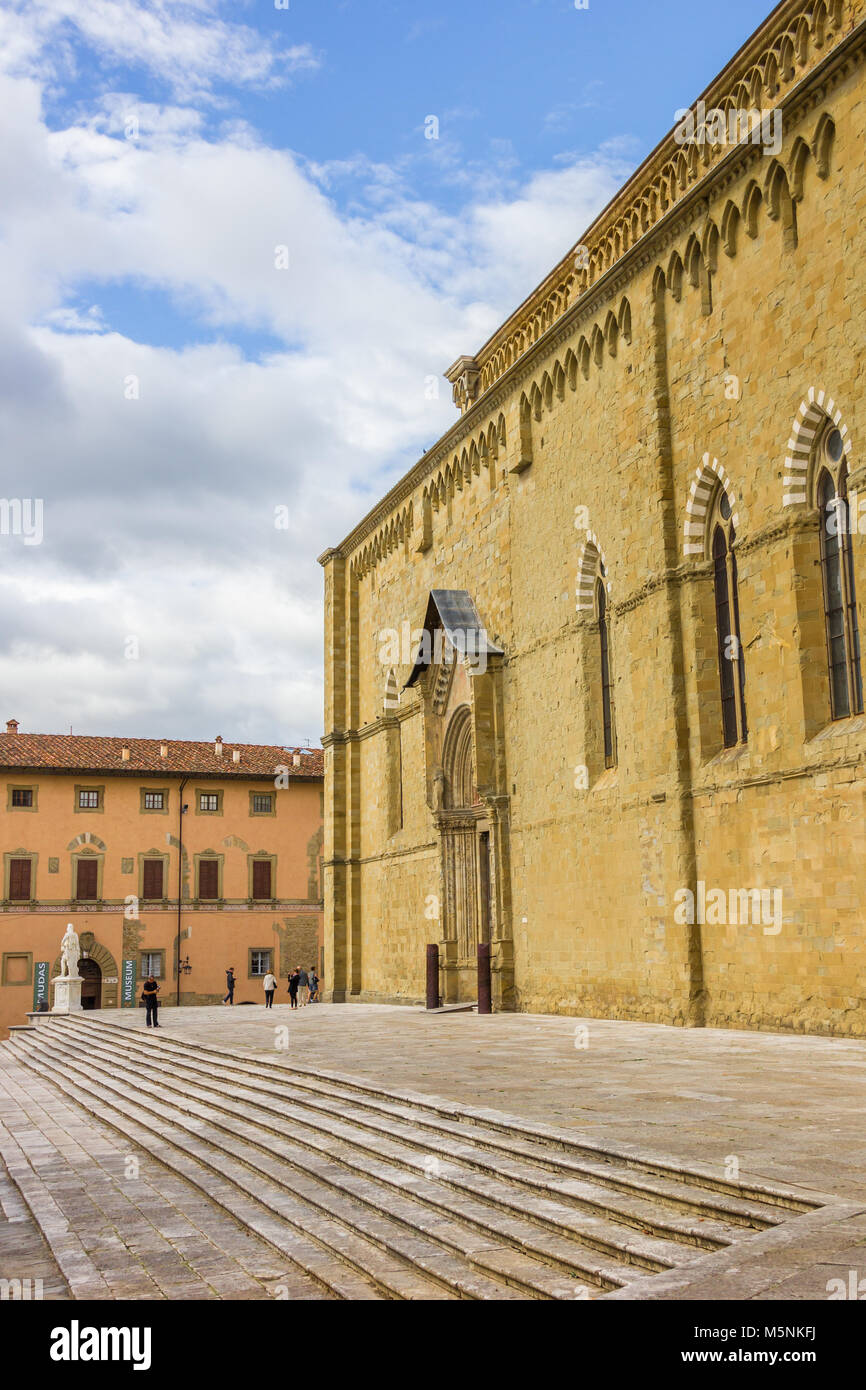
[(270, 986)]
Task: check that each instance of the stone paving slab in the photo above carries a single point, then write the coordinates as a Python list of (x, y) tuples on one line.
[(790, 1108), (783, 1110), (24, 1253), (142, 1237)]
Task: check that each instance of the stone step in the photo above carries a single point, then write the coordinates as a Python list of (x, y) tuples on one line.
[(117, 1232), (457, 1196), (525, 1219), (703, 1194), (121, 1233), (285, 1231), (647, 1210), (494, 1254), (401, 1265)]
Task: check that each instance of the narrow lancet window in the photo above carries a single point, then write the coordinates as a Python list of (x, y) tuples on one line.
[(732, 672), (606, 682)]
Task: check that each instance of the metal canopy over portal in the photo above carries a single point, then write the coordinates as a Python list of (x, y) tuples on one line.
[(453, 612)]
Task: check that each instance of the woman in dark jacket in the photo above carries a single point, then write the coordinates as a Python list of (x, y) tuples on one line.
[(150, 993), (294, 981)]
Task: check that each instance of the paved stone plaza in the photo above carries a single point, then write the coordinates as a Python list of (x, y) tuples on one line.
[(775, 1113), (791, 1108)]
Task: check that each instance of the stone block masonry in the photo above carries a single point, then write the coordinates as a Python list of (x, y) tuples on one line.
[(655, 711)]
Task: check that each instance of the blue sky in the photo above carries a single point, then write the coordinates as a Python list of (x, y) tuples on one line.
[(158, 153)]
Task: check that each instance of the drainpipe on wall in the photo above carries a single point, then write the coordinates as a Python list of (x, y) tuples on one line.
[(181, 809)]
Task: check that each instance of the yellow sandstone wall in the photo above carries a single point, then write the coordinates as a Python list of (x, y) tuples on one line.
[(717, 360)]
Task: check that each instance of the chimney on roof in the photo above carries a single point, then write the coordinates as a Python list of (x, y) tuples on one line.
[(296, 760), (236, 755), (218, 746), (124, 753), (163, 750), (11, 726)]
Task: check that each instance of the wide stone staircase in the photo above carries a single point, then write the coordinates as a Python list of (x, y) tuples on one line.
[(295, 1183)]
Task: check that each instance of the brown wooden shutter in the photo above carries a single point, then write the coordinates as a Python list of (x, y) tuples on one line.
[(85, 879), (19, 880), (208, 878), (152, 885), (261, 878)]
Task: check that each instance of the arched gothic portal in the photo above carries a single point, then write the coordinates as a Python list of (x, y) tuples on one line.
[(466, 864)]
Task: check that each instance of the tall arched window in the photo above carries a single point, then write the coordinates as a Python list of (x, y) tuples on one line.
[(732, 671), (606, 682), (837, 569)]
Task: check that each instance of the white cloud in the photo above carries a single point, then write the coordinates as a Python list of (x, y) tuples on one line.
[(159, 511), (178, 41)]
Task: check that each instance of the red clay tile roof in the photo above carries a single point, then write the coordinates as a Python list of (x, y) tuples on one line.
[(79, 753)]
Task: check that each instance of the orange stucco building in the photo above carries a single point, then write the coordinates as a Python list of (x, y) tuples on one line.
[(159, 852)]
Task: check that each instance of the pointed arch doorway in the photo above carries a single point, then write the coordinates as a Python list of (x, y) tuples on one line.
[(466, 861)]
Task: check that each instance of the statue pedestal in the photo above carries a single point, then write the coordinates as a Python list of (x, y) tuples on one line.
[(67, 994)]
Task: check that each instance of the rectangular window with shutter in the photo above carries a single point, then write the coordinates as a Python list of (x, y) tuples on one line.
[(208, 879), (86, 880), (262, 878), (20, 871), (152, 879), (23, 797)]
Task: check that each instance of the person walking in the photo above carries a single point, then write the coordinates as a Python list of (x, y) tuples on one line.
[(314, 985), (230, 986), (303, 985), (293, 987), (150, 995), (270, 986)]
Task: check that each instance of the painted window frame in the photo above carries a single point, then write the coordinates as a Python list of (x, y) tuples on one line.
[(31, 787), (209, 857), (262, 859), (16, 955), (96, 810), (75, 858), (152, 856), (142, 973), (259, 950), (162, 810), (8, 856), (208, 791)]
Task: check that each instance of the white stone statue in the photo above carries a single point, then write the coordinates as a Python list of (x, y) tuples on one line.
[(70, 951)]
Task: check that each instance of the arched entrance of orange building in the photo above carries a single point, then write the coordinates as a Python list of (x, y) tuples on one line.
[(98, 969), (91, 989)]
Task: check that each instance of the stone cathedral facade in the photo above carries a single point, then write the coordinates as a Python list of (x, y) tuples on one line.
[(594, 688)]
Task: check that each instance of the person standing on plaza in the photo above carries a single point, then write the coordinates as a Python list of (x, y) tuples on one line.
[(270, 986), (314, 985), (303, 985), (293, 987), (230, 986), (150, 995)]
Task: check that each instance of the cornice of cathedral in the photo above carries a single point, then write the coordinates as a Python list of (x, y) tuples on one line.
[(803, 95)]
